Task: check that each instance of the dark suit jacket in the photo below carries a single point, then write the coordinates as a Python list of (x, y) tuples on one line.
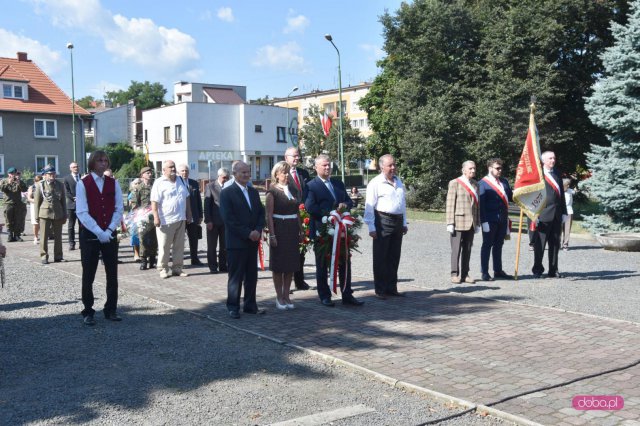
[(556, 205), (239, 220), (212, 203), (70, 188), (319, 201), (303, 177), (195, 200), (492, 208)]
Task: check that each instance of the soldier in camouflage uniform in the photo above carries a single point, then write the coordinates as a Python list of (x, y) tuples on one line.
[(148, 238), (15, 210)]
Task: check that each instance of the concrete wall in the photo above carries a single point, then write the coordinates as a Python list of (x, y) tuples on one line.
[(111, 126)]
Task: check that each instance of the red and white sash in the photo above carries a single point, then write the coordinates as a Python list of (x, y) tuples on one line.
[(499, 190), (470, 189), (553, 183)]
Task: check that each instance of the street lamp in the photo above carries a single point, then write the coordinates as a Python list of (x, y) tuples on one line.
[(73, 103), (340, 140), (287, 137)]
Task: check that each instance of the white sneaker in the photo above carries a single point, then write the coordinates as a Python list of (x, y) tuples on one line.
[(164, 274), (179, 274)]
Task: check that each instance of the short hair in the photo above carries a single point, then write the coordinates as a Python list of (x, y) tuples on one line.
[(492, 161), (383, 158), (234, 166), (467, 162), (164, 163), (292, 148), (95, 156), (280, 166), (182, 166), (321, 157), (566, 181), (72, 163), (37, 178), (223, 172), (546, 154)]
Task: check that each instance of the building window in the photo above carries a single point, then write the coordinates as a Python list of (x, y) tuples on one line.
[(354, 123), (355, 107), (146, 136), (304, 112), (344, 106), (282, 134), (45, 128), (178, 132), (2, 164), (167, 135), (258, 128), (16, 91), (361, 122), (43, 161)]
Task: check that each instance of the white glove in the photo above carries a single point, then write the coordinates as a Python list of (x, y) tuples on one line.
[(564, 218), (104, 236), (477, 229), (485, 226), (451, 229)]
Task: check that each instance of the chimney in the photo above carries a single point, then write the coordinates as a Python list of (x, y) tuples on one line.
[(22, 57)]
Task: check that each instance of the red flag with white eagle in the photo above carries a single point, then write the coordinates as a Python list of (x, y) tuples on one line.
[(325, 120)]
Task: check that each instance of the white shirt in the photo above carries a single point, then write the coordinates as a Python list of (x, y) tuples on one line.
[(171, 198), (383, 196), (245, 192), (82, 207), (568, 199)]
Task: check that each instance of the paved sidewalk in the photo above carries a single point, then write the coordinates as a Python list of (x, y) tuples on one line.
[(477, 349)]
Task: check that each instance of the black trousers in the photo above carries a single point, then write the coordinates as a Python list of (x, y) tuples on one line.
[(547, 233), (322, 283), (387, 247), (243, 272), (461, 243), (72, 219), (219, 259), (192, 235), (298, 276), (90, 251), (492, 243)]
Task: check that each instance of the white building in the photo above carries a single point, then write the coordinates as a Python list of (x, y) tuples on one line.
[(210, 126)]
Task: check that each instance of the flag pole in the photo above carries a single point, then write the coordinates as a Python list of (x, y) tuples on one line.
[(515, 275)]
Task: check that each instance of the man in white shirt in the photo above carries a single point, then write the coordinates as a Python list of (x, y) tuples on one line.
[(171, 211), (385, 214), (99, 209)]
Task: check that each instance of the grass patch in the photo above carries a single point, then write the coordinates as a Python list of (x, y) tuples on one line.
[(426, 215)]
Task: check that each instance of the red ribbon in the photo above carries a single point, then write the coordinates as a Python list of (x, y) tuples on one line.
[(341, 223), (261, 254)]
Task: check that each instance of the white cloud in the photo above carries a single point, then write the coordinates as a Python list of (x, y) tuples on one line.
[(296, 23), (49, 60), (161, 50), (377, 52), (225, 14), (286, 56)]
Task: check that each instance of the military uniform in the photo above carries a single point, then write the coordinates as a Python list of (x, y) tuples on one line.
[(15, 210), (148, 238), (51, 206)]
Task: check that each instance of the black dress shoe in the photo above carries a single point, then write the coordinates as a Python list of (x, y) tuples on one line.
[(302, 286), (352, 301), (213, 271), (88, 320), (487, 277), (537, 276), (556, 275), (395, 294), (502, 275), (328, 302), (381, 296), (196, 262), (143, 265), (72, 247), (223, 269), (45, 261), (112, 316), (59, 260), (234, 314)]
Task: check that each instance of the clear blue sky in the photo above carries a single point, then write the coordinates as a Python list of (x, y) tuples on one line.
[(268, 46)]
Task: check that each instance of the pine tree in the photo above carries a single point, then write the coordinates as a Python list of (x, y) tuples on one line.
[(615, 107)]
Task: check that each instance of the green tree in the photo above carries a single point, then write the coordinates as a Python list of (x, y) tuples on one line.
[(145, 95), (88, 102), (119, 154), (615, 107), (131, 169), (314, 141)]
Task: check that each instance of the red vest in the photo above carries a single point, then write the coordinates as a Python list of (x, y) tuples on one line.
[(101, 205)]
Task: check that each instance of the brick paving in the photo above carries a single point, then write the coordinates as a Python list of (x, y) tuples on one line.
[(472, 348)]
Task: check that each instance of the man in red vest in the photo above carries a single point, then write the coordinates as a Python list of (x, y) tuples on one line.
[(99, 208)]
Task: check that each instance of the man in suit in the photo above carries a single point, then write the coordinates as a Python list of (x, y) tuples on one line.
[(70, 182), (298, 183), (495, 195), (243, 217), (215, 225), (324, 195), (385, 214), (463, 220), (50, 203), (548, 227), (194, 229), (99, 208)]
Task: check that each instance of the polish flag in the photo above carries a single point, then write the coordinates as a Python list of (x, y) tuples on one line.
[(325, 120)]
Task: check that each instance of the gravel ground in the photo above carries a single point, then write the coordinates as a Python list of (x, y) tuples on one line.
[(598, 282), (163, 366)]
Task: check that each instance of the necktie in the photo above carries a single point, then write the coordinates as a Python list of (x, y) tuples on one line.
[(295, 179), (330, 187), (77, 178)]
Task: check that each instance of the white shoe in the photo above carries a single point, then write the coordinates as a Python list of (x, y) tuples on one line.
[(179, 274), (36, 241), (290, 306), (279, 306), (164, 274)]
